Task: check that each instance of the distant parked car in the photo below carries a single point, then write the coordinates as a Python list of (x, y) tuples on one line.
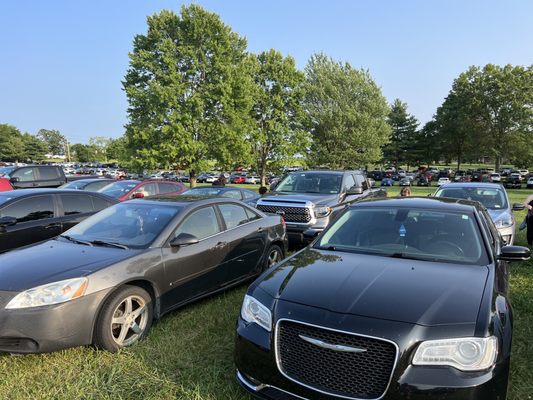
[(495, 178), (34, 176), (254, 180), (423, 181), (513, 182), (132, 189), (387, 181), (405, 182), (529, 183), (31, 215), (90, 184), (443, 181), (238, 179), (245, 195)]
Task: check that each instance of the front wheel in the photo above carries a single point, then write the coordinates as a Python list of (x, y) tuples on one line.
[(125, 318), (274, 256)]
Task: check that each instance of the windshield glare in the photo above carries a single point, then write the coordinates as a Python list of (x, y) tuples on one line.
[(491, 198), (118, 189), (404, 233), (5, 171), (133, 225), (311, 182), (205, 191)]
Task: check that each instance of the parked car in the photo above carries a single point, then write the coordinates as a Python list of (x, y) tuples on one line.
[(34, 176), (443, 181), (309, 200), (238, 179), (398, 299), (245, 195), (423, 181), (5, 185), (387, 181), (405, 182), (111, 275), (493, 197), (28, 216), (523, 172), (529, 183), (252, 179), (133, 189), (91, 184), (513, 182), (494, 177)]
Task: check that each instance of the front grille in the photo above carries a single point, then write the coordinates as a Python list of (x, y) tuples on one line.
[(292, 214), (363, 375)]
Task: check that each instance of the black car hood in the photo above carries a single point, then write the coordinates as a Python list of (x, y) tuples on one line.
[(318, 199), (418, 292), (52, 261)]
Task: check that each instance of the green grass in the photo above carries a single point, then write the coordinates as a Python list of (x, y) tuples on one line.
[(189, 353)]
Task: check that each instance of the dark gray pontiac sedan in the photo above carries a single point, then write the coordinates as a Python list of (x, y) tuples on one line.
[(105, 280)]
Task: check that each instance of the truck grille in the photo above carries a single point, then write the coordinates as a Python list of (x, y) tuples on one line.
[(363, 375), (292, 214)]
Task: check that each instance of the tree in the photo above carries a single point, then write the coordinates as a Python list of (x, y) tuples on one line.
[(11, 143), (54, 139), (34, 148), (99, 144), (189, 92), (278, 134), (404, 134), (117, 149), (347, 114), (82, 152)]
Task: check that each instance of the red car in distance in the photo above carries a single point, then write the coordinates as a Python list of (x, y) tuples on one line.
[(132, 189), (5, 185)]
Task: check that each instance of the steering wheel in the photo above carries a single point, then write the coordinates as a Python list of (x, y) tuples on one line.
[(452, 246)]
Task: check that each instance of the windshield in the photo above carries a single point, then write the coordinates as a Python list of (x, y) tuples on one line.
[(204, 191), (73, 185), (491, 198), (407, 233), (5, 171), (131, 224), (118, 189), (311, 182)]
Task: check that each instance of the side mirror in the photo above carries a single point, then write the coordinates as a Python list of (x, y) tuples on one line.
[(310, 234), (518, 207), (138, 195), (514, 253), (354, 190), (14, 180), (183, 239)]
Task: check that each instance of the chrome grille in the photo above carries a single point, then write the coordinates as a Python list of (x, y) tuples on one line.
[(359, 375), (292, 214)]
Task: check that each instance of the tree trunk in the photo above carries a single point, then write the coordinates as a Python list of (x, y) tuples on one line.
[(192, 178), (498, 163)]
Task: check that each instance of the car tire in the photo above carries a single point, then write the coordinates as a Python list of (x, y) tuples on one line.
[(273, 256), (125, 318)]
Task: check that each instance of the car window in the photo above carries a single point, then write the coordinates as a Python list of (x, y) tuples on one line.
[(201, 223), (46, 173), (30, 209), (252, 216), (349, 182), (100, 204), (168, 188), (311, 182), (232, 194), (148, 189), (94, 186), (249, 195), (74, 204), (430, 235), (234, 215), (492, 198), (24, 174)]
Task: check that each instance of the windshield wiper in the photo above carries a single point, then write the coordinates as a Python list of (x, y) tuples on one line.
[(73, 240), (411, 257), (109, 244)]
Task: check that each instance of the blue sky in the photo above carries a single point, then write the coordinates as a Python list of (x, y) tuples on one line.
[(62, 62)]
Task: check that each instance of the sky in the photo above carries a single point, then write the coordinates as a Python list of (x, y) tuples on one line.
[(62, 61)]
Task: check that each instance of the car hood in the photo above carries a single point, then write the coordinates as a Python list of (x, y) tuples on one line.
[(498, 214), (52, 261), (418, 292), (318, 199)]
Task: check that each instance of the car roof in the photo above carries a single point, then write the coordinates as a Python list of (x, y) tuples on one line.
[(90, 180), (328, 171), (473, 185), (431, 203), (183, 200), (31, 192)]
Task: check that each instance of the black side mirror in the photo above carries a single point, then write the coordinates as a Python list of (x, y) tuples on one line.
[(514, 253), (310, 234), (183, 239), (518, 207), (354, 190), (14, 180)]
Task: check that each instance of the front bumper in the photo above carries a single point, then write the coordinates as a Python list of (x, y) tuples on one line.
[(48, 328), (258, 373), (508, 234)]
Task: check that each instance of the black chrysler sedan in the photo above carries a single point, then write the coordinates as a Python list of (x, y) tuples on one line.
[(104, 281), (29, 216), (398, 299)]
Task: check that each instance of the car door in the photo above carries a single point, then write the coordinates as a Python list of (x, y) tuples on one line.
[(23, 178), (196, 269), (36, 221), (247, 236), (49, 177)]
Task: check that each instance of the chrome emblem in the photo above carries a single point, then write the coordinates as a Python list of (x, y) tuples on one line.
[(334, 347)]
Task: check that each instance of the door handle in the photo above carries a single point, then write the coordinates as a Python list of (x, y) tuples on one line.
[(260, 229), (52, 226), (220, 245)]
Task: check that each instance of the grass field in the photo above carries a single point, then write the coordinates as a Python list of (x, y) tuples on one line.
[(189, 354)]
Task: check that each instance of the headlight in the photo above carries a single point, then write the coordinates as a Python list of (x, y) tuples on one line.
[(321, 212), (506, 220), (253, 311), (52, 293), (465, 354)]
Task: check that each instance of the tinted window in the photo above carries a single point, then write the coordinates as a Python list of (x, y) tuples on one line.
[(252, 216), (118, 189), (95, 186), (73, 204), (46, 173), (232, 194), (201, 224), (492, 198), (24, 174), (234, 215), (100, 204), (249, 195), (419, 234), (30, 209), (311, 182), (168, 188), (79, 185)]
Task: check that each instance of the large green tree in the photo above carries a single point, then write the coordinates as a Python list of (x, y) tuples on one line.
[(54, 139), (117, 149), (347, 113), (11, 143), (278, 134), (99, 144), (189, 92), (82, 152), (404, 135), (35, 149)]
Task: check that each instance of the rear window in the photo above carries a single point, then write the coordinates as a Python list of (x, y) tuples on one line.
[(492, 198), (48, 173)]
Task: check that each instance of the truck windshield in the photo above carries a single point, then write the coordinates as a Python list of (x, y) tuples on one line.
[(311, 182)]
